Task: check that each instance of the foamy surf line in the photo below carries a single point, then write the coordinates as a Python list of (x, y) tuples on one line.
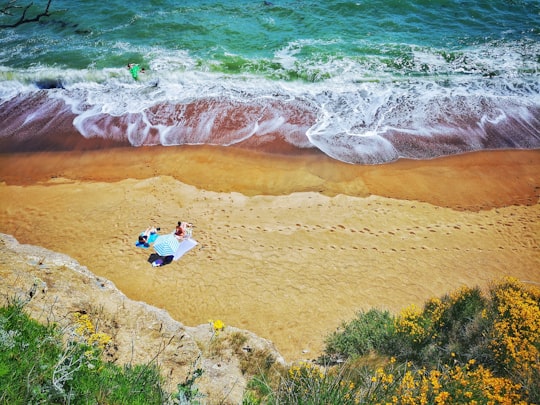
[(369, 122)]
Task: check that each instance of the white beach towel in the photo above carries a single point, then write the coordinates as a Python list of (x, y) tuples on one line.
[(185, 246)]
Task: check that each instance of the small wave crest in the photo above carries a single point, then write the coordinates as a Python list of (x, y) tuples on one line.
[(422, 122)]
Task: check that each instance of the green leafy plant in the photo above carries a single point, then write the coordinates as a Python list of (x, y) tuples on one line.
[(370, 331), (45, 364), (188, 392)]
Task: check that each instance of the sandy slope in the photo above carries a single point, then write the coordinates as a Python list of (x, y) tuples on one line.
[(289, 247)]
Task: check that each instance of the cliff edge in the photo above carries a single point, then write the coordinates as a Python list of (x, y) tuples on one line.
[(55, 287)]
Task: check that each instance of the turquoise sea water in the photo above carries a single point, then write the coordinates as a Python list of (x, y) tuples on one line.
[(363, 81)]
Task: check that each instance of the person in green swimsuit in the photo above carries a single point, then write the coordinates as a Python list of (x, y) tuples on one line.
[(134, 69)]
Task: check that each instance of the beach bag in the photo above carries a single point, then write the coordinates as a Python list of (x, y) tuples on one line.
[(157, 261)]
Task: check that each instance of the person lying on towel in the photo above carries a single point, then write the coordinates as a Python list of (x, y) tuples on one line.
[(147, 237)]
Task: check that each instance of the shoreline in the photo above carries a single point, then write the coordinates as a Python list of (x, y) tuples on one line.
[(471, 181), (289, 246)]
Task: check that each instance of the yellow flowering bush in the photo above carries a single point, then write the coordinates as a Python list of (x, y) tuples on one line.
[(100, 339), (462, 304), (86, 330), (515, 336), (410, 322), (453, 323), (469, 384), (306, 370), (467, 347), (435, 308)]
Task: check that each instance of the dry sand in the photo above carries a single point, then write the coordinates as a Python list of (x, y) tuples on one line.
[(289, 247)]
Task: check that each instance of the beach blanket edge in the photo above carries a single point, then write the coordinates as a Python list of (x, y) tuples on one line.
[(185, 246)]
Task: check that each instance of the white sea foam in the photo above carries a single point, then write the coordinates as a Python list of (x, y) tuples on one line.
[(363, 109)]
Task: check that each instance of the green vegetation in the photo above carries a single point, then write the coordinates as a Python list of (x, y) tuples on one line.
[(369, 332), (467, 347), (464, 348), (42, 364)]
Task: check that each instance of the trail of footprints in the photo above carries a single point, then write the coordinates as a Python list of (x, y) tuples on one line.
[(415, 238)]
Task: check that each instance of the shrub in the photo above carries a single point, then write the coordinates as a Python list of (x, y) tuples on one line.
[(450, 325), (514, 342), (259, 390), (307, 383), (28, 352), (490, 340), (370, 331), (468, 384), (37, 367)]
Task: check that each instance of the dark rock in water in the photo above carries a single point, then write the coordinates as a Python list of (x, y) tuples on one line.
[(46, 84)]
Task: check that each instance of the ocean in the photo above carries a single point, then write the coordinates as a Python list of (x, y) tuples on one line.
[(364, 82)]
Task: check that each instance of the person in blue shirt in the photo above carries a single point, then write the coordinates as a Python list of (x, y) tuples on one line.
[(147, 237)]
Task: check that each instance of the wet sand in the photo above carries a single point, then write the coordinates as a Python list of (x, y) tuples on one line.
[(289, 246)]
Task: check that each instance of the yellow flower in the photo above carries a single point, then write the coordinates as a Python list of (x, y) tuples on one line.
[(442, 398), (100, 339), (84, 324), (217, 325)]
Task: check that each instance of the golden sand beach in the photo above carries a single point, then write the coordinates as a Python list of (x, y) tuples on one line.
[(288, 246)]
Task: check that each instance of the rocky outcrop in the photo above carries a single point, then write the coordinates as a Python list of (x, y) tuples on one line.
[(55, 287)]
